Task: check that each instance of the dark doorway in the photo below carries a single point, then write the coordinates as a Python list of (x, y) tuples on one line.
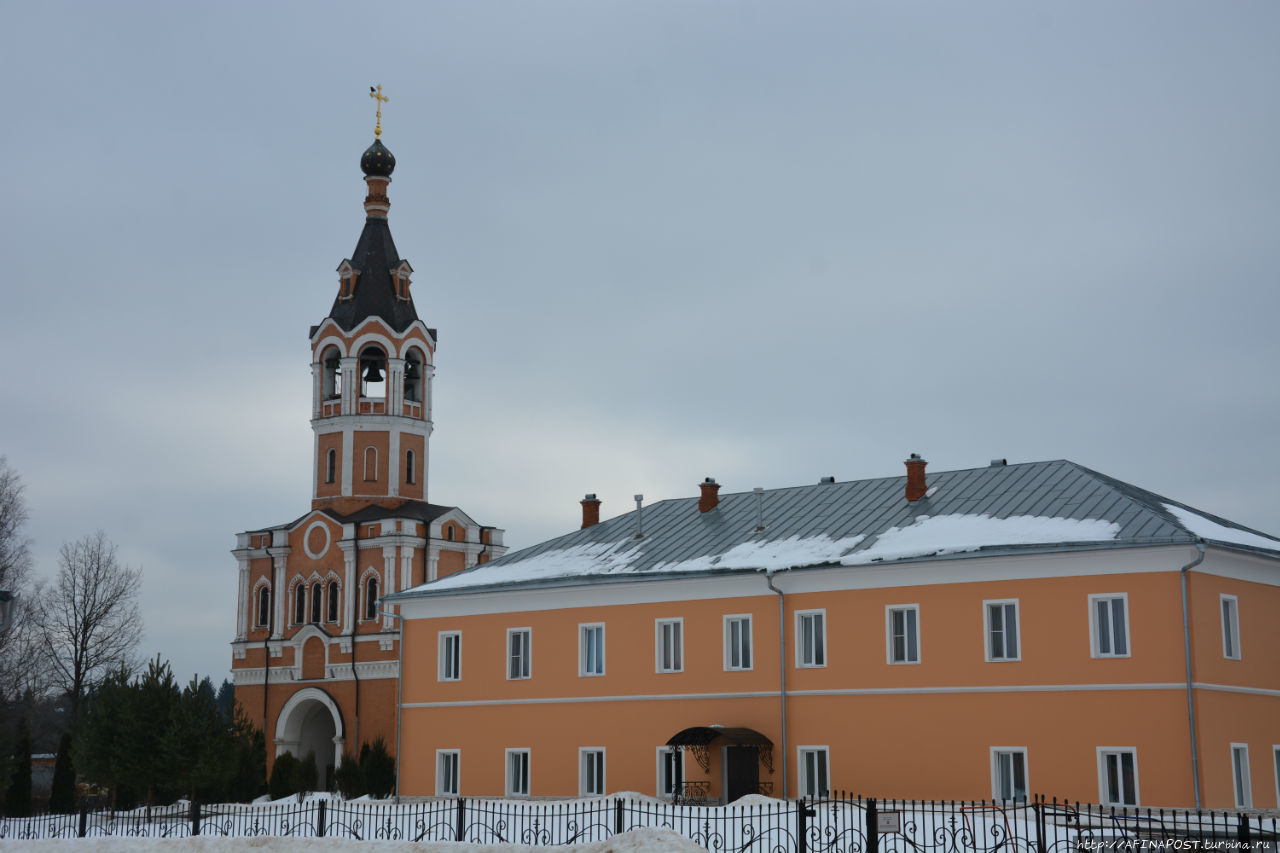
[(742, 771)]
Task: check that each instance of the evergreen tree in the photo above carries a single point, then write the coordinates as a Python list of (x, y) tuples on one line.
[(199, 743), (62, 797), (17, 799), (348, 778), (305, 779), (249, 774), (149, 756), (227, 700), (100, 741), (283, 774), (378, 768)]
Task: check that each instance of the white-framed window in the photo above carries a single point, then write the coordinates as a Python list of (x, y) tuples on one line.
[(1240, 776), (811, 638), (737, 642), (902, 627), (264, 605), (299, 604), (591, 649), (519, 653), (316, 601), (1009, 773), (447, 766), (334, 590), (1230, 627), (815, 772), (670, 771), (1000, 624), (669, 645), (450, 644), (1118, 775), (517, 782), (1109, 625), (591, 771), (371, 598)]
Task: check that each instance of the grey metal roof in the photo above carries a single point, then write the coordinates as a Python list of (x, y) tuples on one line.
[(676, 532)]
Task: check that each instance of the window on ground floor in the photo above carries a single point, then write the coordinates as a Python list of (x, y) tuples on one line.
[(1118, 775), (1008, 773), (814, 772), (447, 761), (591, 771), (1240, 775), (670, 771), (517, 773)]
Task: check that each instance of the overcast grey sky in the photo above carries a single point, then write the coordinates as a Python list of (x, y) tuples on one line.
[(764, 242)]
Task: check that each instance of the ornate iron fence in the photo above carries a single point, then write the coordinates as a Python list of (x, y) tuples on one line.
[(839, 823)]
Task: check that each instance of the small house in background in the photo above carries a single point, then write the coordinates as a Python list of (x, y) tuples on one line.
[(983, 633)]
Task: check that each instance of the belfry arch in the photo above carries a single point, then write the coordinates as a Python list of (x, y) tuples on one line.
[(311, 720)]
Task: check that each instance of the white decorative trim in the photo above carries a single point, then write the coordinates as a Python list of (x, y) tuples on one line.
[(306, 539)]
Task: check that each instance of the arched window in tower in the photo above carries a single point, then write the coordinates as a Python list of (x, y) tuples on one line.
[(330, 465), (371, 598), (371, 463), (332, 367), (410, 467), (413, 377), (315, 602), (373, 366), (332, 615), (299, 604), (264, 606)]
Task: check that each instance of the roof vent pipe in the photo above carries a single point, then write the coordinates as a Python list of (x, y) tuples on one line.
[(590, 510), (710, 495), (826, 481), (759, 493), (916, 487), (639, 520), (999, 463)]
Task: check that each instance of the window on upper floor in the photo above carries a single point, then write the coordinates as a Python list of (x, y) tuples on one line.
[(811, 638), (330, 465), (413, 377), (1009, 773), (332, 367), (1230, 627), (370, 464), (519, 653), (1240, 776), (737, 642), (591, 649), (316, 599), (373, 365), (450, 655), (410, 467), (1109, 625), (447, 766), (332, 615), (1118, 776), (517, 782), (815, 780), (264, 606), (669, 635), (1001, 622), (371, 598), (299, 604), (591, 771), (902, 624)]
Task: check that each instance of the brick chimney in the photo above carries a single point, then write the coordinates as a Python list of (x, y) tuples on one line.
[(710, 495), (916, 486), (590, 511)]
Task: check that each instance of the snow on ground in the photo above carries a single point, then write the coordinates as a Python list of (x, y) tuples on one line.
[(1208, 529), (647, 840), (954, 534)]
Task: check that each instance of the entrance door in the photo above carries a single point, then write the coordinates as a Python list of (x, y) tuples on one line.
[(742, 772)]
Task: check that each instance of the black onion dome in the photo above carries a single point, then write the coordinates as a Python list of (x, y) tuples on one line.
[(377, 161)]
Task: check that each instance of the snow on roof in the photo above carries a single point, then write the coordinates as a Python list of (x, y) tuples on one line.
[(955, 534), (1207, 528)]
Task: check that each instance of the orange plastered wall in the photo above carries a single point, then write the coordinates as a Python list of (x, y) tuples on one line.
[(1258, 629)]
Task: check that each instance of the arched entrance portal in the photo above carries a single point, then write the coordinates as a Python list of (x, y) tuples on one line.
[(742, 752), (311, 722)]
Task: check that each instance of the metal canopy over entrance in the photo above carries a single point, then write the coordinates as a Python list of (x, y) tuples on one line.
[(745, 750)]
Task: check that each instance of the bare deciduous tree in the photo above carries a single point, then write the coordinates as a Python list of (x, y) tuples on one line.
[(16, 655), (88, 619)]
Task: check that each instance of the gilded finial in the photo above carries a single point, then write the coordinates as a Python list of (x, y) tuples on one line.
[(376, 94)]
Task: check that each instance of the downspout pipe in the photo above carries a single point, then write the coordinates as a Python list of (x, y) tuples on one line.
[(399, 689), (782, 675), (1186, 652)]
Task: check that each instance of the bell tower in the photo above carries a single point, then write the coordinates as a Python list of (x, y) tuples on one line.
[(372, 363)]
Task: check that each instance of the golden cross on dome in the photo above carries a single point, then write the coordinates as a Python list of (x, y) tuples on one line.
[(376, 94)]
